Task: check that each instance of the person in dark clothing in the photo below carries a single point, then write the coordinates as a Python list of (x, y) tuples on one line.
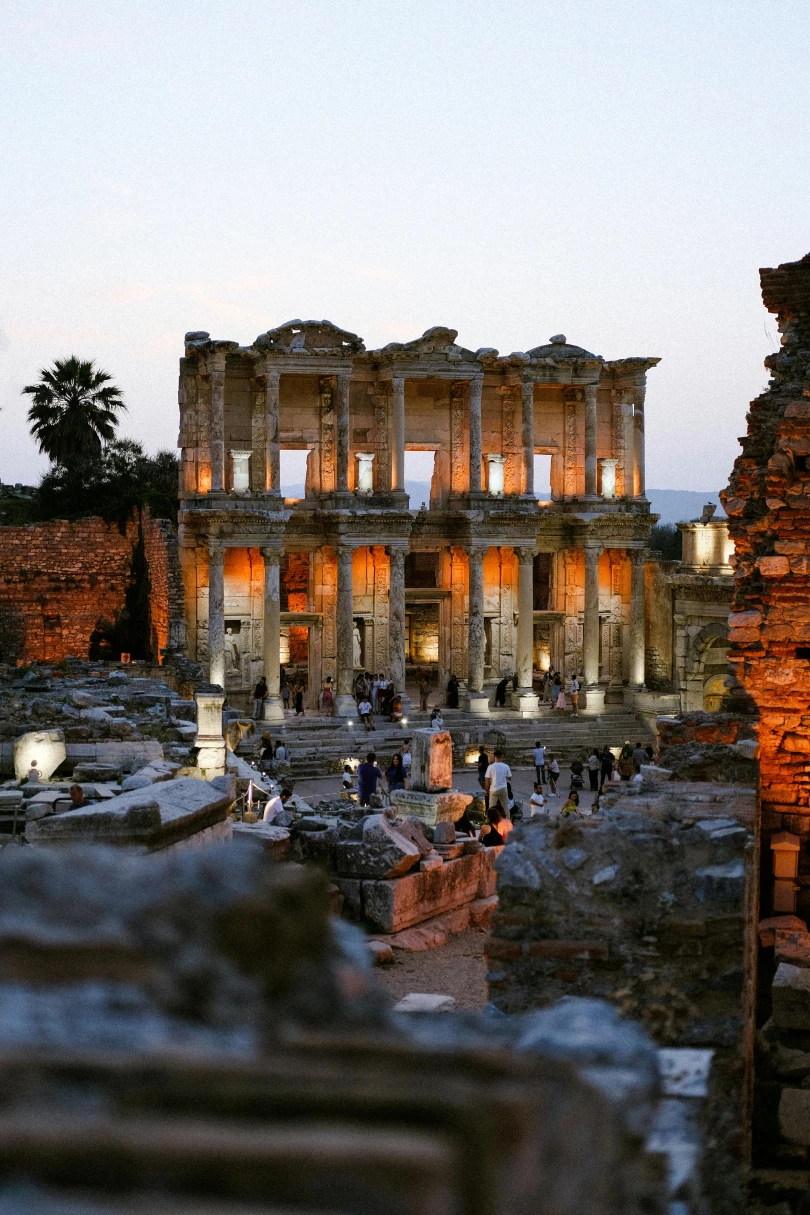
[(465, 825), (267, 758), (500, 693), (395, 772), (483, 764), (368, 777), (452, 692), (299, 701), (496, 828), (259, 697), (606, 765)]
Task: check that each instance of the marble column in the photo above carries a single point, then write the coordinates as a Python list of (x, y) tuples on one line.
[(639, 394), (398, 434), (477, 700), (526, 701), (476, 386), (590, 440), (216, 615), (216, 372), (344, 614), (273, 707), (272, 458), (343, 386), (396, 622), (638, 559), (527, 397), (629, 460), (595, 696)]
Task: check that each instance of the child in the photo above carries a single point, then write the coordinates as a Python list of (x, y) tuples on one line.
[(537, 803)]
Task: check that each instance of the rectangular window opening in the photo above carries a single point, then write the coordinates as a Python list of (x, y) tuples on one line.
[(542, 478), (293, 472), (418, 476)]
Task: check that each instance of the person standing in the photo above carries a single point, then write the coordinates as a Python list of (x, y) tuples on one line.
[(639, 755), (328, 697), (424, 693), (299, 700), (259, 697), (559, 703), (496, 784), (395, 772), (539, 755), (285, 695), (452, 692), (500, 693), (553, 774), (406, 760), (606, 765), (594, 765), (483, 764), (574, 690), (368, 777)]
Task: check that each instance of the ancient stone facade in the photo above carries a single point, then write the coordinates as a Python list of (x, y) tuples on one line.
[(485, 581), (62, 577), (768, 504)]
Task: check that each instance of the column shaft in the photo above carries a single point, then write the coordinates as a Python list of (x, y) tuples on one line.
[(476, 386), (396, 619), (525, 629), (590, 631), (629, 462), (590, 440), (476, 639), (272, 456), (216, 615), (343, 386), (273, 708), (216, 370), (638, 447), (527, 396), (344, 630), (637, 638), (398, 434)]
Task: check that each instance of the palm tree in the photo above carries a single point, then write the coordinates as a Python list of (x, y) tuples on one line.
[(74, 409)]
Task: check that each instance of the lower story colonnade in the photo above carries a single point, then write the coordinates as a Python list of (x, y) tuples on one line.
[(316, 616)]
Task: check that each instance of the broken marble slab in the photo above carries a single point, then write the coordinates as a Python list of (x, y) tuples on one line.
[(45, 748), (151, 774), (147, 820)]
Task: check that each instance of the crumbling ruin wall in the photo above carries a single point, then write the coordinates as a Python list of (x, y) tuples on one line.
[(768, 505), (63, 576), (651, 905)]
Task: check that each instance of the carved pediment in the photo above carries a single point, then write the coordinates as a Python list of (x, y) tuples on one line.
[(310, 337), (435, 342)]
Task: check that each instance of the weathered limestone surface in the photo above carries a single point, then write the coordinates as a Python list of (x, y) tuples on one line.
[(45, 747), (148, 819), (431, 761), (432, 808), (393, 905), (375, 849)]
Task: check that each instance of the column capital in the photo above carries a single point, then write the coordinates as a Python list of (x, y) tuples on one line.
[(475, 384), (216, 547), (592, 549), (272, 556), (396, 551), (638, 556), (215, 363), (343, 549), (476, 551), (272, 373), (526, 554), (398, 381)]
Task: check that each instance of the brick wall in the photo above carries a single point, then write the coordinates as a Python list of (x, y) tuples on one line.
[(63, 576)]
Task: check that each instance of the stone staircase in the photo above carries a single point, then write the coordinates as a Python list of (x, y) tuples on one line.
[(321, 745)]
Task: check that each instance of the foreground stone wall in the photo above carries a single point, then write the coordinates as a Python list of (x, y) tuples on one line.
[(650, 905), (63, 576)]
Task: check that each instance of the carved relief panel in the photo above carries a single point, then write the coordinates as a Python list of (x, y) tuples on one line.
[(328, 390), (458, 594), (382, 436), (512, 469), (571, 453), (459, 451)]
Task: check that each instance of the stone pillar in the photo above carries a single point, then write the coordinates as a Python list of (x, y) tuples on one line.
[(396, 622), (216, 614), (273, 707), (595, 696), (345, 627), (590, 440), (475, 387), (639, 394), (526, 701), (527, 395), (398, 434), (210, 742), (216, 372), (272, 460), (343, 386), (629, 462), (477, 700), (638, 559)]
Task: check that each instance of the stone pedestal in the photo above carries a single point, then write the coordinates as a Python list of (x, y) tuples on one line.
[(477, 702), (210, 741), (431, 761), (432, 808), (527, 703), (594, 700)]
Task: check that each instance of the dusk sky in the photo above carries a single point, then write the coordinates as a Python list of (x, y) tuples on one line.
[(616, 170)]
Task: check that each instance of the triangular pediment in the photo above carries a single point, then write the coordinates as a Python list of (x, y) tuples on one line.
[(311, 337)]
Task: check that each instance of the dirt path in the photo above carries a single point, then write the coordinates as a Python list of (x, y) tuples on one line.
[(456, 969)]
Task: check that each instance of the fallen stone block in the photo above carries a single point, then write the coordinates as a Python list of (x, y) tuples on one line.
[(381, 953), (444, 833), (419, 939), (148, 820), (96, 771), (152, 774), (481, 911), (430, 862), (275, 841), (375, 849), (768, 927), (81, 700), (432, 808), (391, 905), (423, 1002), (792, 947), (790, 994), (413, 831), (44, 747)]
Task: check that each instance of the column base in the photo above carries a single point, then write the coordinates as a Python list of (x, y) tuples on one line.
[(273, 709), (526, 703), (345, 705), (211, 757), (478, 703), (594, 700)]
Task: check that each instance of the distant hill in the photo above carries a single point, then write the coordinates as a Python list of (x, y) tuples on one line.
[(673, 505), (682, 505)]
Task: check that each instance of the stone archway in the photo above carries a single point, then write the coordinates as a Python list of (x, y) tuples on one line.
[(705, 670)]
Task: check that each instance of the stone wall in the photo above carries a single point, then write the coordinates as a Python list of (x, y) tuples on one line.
[(63, 576), (768, 505)]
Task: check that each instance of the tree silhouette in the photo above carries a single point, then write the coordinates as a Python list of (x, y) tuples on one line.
[(74, 412)]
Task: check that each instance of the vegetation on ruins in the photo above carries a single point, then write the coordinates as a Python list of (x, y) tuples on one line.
[(120, 479), (667, 540), (131, 630), (74, 410)]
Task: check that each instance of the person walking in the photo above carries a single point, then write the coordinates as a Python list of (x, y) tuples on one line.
[(328, 697), (259, 697), (553, 774), (606, 763), (539, 755), (496, 783), (500, 693), (366, 716), (483, 764), (594, 765), (626, 761)]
